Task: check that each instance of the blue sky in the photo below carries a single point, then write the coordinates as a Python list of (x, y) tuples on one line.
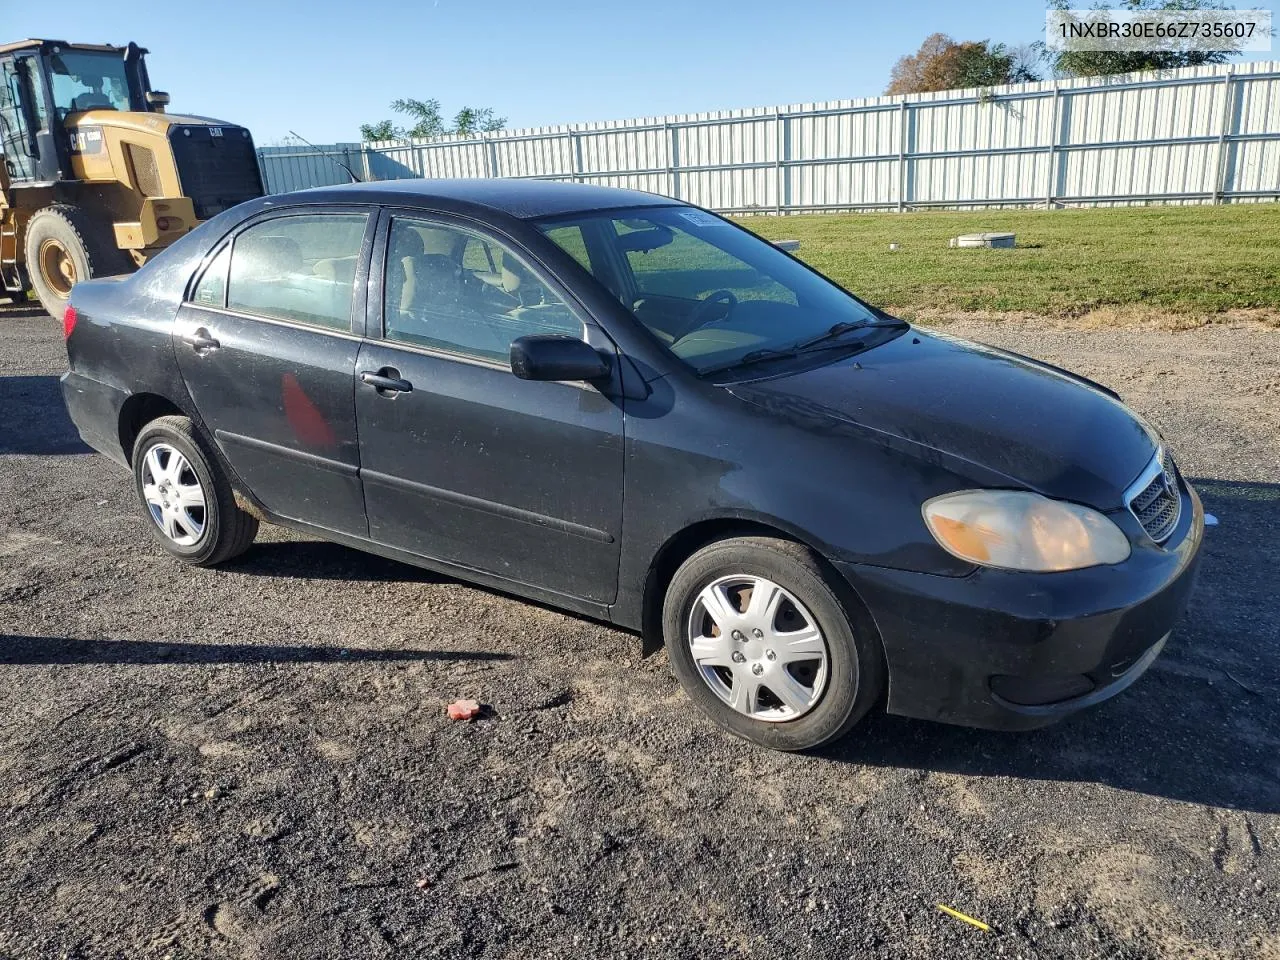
[(324, 66)]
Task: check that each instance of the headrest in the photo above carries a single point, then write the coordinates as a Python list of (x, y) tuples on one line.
[(510, 279), (406, 243), (337, 269), (438, 263), (514, 273), (437, 241)]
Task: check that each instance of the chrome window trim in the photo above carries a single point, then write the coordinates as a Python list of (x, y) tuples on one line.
[(275, 321), (440, 353)]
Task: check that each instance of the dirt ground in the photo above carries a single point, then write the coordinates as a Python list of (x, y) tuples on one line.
[(254, 762)]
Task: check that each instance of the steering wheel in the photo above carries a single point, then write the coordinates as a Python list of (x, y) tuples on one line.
[(699, 318)]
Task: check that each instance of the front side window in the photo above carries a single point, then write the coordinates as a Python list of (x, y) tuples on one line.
[(454, 289), (299, 268), (711, 293), (88, 80)]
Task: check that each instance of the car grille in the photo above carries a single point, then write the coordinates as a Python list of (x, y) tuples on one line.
[(1157, 504), (216, 172)]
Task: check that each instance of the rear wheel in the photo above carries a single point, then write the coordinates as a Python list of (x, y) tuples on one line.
[(760, 637), (187, 500), (65, 245)]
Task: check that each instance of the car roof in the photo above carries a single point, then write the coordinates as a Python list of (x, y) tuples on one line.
[(521, 198)]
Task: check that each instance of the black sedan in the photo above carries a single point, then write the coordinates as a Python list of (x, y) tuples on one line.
[(634, 409)]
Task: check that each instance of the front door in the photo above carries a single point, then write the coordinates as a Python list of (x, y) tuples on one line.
[(462, 461), (22, 116), (266, 347)]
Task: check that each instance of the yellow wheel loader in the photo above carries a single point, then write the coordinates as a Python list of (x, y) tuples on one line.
[(95, 176)]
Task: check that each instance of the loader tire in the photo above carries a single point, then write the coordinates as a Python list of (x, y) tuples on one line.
[(65, 245)]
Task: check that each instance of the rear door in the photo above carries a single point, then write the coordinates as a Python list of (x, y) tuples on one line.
[(465, 462), (266, 345)]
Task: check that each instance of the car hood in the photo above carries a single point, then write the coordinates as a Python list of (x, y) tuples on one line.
[(996, 417)]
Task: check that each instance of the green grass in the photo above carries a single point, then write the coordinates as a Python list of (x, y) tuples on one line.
[(1173, 261)]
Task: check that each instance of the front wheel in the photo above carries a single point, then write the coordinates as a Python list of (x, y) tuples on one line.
[(760, 638), (64, 245), (190, 504)]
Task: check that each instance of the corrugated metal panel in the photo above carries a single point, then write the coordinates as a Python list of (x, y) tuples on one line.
[(1202, 134), (296, 168)]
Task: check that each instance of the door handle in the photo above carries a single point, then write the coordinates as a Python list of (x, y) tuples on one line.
[(386, 381), (200, 341)]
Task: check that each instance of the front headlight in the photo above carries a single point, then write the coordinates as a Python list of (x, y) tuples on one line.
[(1018, 530)]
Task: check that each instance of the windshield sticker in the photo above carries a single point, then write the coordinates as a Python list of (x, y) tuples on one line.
[(700, 219)]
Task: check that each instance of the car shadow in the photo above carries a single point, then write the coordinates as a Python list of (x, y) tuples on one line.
[(1128, 746), (35, 419), (29, 650), (1203, 726), (321, 560)]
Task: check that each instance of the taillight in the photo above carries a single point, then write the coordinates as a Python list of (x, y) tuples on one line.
[(68, 321)]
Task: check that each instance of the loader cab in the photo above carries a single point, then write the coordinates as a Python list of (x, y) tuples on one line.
[(32, 151), (43, 82)]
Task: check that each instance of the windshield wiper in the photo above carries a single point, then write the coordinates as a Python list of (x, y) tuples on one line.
[(831, 333), (827, 340), (781, 353)]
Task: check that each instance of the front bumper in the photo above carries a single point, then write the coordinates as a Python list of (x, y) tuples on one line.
[(1014, 651)]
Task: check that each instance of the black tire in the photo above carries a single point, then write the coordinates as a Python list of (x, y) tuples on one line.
[(87, 243), (855, 662), (227, 530)]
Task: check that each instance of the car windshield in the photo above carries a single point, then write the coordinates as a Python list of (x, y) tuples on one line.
[(88, 80), (714, 294)]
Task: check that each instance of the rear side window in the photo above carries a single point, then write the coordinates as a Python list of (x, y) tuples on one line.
[(298, 268), (211, 291)]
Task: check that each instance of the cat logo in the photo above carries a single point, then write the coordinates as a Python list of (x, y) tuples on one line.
[(86, 140), (215, 131)]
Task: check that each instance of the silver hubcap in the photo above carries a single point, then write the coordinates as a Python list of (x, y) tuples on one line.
[(758, 648), (173, 494)]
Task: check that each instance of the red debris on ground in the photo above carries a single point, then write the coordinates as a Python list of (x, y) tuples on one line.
[(464, 709)]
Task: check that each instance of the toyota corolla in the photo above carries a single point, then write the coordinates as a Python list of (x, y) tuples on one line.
[(634, 409)]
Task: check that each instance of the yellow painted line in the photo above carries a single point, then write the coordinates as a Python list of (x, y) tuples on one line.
[(965, 917)]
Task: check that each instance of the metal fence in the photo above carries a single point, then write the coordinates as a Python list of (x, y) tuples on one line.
[(1198, 135)]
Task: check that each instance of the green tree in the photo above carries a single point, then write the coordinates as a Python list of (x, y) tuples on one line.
[(382, 130), (428, 121), (943, 64), (472, 120), (424, 113), (984, 64), (1096, 63)]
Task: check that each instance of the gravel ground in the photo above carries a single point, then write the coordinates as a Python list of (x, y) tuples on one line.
[(254, 762)]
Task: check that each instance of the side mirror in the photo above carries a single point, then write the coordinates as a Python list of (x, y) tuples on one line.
[(556, 357), (157, 98)]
